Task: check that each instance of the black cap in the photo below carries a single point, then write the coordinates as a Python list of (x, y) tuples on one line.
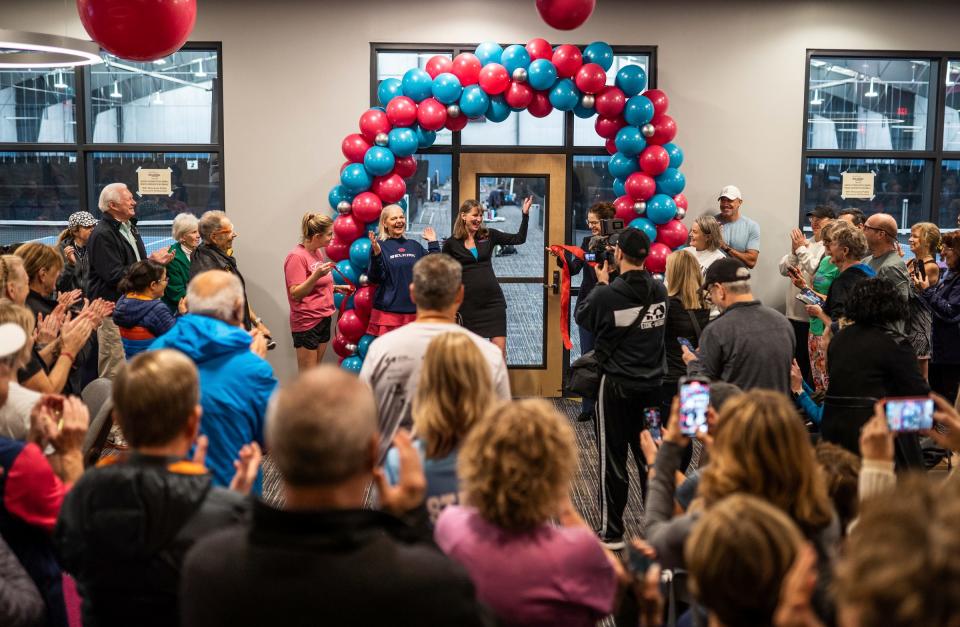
[(633, 243), (820, 211), (727, 270)]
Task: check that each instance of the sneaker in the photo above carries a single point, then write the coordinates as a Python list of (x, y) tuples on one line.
[(585, 416), (614, 544)]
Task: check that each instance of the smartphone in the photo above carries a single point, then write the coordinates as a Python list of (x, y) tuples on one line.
[(637, 562), (589, 256), (807, 296), (685, 342), (652, 417), (909, 414), (694, 400)]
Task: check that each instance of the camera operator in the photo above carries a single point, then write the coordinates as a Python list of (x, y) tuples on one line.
[(627, 317)]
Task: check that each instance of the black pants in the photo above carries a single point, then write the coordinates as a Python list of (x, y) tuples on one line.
[(944, 380), (801, 330), (619, 423)]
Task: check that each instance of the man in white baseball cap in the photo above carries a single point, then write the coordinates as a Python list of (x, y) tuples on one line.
[(741, 235)]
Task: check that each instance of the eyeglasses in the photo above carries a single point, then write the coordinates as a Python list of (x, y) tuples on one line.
[(879, 230), (593, 222)]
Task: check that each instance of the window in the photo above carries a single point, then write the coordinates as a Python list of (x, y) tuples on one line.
[(66, 133), (878, 113)]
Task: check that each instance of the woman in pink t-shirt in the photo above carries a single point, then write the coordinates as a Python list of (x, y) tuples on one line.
[(310, 290)]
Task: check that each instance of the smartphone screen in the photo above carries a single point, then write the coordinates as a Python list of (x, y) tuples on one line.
[(909, 414), (652, 416), (694, 400), (685, 342), (589, 256), (807, 296)]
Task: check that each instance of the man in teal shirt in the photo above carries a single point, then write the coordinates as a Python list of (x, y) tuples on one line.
[(741, 235)]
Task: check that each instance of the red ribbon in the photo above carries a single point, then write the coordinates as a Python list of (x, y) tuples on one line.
[(559, 251)]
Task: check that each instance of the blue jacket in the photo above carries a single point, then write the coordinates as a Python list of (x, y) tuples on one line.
[(944, 302), (235, 386), (392, 272), (141, 321)]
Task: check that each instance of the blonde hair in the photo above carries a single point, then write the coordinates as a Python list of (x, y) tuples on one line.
[(850, 237), (684, 278), (460, 228), (929, 235), (761, 448), (452, 393), (516, 463), (382, 228), (22, 317), (8, 271), (314, 223), (37, 257), (712, 232)]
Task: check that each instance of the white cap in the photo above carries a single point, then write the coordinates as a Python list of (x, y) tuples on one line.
[(730, 191), (12, 338)]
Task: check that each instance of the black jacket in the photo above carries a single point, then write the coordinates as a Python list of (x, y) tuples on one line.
[(110, 257), (632, 357), (679, 324), (207, 257), (75, 276), (576, 265), (334, 567), (123, 532)]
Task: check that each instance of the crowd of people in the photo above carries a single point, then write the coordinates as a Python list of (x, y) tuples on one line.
[(137, 408)]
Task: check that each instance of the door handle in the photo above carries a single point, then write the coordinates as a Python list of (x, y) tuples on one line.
[(556, 282)]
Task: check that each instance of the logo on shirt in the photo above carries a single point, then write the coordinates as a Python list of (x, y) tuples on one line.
[(656, 316), (402, 250)]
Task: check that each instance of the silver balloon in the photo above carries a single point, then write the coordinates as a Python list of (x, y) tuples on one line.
[(588, 101), (640, 207), (520, 75), (681, 212), (351, 347), (382, 139), (344, 207), (453, 111), (648, 130), (364, 280)]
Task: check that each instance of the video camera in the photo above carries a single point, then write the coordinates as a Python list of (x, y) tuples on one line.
[(600, 247)]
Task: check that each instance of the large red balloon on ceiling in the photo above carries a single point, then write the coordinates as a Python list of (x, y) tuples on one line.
[(139, 30), (565, 14)]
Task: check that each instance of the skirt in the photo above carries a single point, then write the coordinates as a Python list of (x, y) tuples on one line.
[(384, 321)]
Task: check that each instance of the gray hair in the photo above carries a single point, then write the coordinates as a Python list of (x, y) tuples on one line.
[(711, 230), (737, 288), (209, 223), (215, 293), (436, 281), (184, 223), (320, 428), (110, 193)]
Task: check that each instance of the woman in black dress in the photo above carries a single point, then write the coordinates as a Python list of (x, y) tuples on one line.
[(484, 310)]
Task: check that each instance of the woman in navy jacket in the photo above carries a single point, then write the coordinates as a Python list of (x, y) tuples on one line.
[(392, 256), (944, 302)]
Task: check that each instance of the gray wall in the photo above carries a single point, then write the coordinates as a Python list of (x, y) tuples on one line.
[(296, 78)]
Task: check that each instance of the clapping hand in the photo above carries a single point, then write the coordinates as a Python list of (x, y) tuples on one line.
[(527, 203), (797, 239), (375, 244), (246, 466), (162, 257)]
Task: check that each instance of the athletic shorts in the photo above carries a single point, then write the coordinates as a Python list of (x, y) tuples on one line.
[(311, 339)]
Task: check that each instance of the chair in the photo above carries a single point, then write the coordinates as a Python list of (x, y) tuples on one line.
[(97, 397)]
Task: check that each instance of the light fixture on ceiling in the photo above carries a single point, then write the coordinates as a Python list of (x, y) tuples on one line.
[(873, 93), (200, 73), (160, 62), (116, 91), (816, 101), (20, 49)]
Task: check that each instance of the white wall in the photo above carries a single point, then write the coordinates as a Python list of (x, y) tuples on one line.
[(296, 77)]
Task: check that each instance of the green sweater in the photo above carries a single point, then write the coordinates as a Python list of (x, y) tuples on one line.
[(178, 273)]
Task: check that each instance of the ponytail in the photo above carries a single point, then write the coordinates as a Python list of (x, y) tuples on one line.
[(314, 223)]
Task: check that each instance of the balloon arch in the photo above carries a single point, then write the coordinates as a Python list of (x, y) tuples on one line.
[(492, 83)]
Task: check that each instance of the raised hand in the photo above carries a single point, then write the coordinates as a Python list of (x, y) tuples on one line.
[(162, 257), (411, 489), (71, 254), (375, 243), (429, 234), (246, 466), (72, 426), (797, 239), (876, 440), (200, 450), (68, 299), (527, 202), (48, 328)]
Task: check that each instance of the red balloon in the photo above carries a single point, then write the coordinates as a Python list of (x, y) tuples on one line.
[(363, 301), (624, 208), (389, 188), (666, 130), (591, 78), (432, 114), (608, 127), (518, 95), (438, 64), (141, 30), (347, 228), (540, 106), (567, 60), (611, 145), (466, 67), (339, 345), (354, 146), (638, 186), (402, 111), (672, 234), (610, 102), (367, 207), (654, 160), (681, 201), (372, 122), (494, 79), (539, 48), (337, 251), (351, 326), (565, 14), (657, 259), (458, 123), (405, 167), (659, 100)]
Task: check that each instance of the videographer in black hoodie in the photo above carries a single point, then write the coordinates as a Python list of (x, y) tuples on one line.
[(627, 317)]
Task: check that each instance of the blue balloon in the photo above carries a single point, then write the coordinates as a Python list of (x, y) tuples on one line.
[(676, 155), (446, 88), (671, 182), (541, 74), (352, 364), (618, 188), (621, 166), (564, 96), (645, 225), (338, 299), (417, 85), (638, 111), (515, 56), (378, 160), (364, 344), (582, 112), (339, 193), (498, 110), (345, 271), (630, 141), (631, 79), (389, 89), (403, 204), (356, 178), (425, 139), (403, 142), (379, 108), (661, 209), (474, 101), (360, 253), (373, 226), (599, 52), (489, 52)]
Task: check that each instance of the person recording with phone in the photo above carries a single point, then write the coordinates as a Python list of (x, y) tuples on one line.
[(627, 317)]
